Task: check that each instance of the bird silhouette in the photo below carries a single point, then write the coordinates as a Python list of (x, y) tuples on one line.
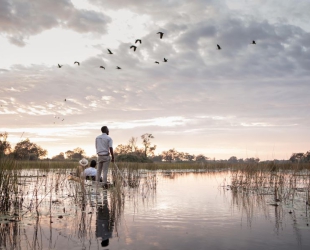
[(253, 42), (165, 60), (156, 62), (110, 52), (59, 66), (161, 34), (134, 47), (102, 67), (65, 100), (118, 67), (138, 40), (218, 47), (77, 63), (62, 120)]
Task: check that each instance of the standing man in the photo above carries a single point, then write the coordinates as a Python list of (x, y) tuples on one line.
[(104, 147)]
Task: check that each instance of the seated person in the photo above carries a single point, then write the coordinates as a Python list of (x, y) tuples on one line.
[(80, 169), (91, 172)]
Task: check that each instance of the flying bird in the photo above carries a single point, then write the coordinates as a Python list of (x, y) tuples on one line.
[(77, 63), (118, 67), (102, 67), (218, 47), (134, 47), (62, 120), (156, 62), (138, 40), (253, 42), (165, 60), (110, 52), (65, 100), (161, 34), (59, 66)]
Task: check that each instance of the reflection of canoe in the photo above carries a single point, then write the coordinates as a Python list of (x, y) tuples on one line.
[(87, 182)]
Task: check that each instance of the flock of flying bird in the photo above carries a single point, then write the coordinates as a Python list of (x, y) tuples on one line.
[(134, 49), (161, 34), (131, 47), (117, 67)]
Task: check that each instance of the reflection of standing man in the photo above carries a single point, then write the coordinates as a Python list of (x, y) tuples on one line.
[(104, 224), (104, 147)]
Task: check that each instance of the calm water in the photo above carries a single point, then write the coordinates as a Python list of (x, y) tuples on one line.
[(186, 211)]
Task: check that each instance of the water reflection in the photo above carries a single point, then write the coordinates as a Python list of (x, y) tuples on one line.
[(252, 202), (104, 222), (188, 210), (8, 235)]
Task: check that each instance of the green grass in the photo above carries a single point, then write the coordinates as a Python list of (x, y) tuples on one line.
[(212, 166), (209, 165)]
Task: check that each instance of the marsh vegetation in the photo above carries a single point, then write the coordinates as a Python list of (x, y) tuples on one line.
[(38, 198)]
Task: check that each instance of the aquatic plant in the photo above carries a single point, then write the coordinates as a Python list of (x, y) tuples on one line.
[(284, 183), (8, 184)]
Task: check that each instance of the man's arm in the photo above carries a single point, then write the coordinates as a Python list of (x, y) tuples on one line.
[(112, 154), (96, 145)]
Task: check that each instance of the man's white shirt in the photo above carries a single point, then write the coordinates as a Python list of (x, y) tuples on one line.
[(90, 171), (103, 144)]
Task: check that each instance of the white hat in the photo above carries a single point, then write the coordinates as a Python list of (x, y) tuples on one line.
[(83, 162)]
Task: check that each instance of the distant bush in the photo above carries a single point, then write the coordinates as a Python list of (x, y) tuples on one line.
[(132, 158)]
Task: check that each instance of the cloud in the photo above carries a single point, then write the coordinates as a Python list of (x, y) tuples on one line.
[(21, 19), (84, 21), (3, 70), (162, 10), (243, 96)]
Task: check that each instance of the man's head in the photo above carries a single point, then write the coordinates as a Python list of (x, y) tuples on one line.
[(105, 129), (93, 163)]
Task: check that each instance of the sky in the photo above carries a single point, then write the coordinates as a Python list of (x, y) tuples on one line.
[(245, 100)]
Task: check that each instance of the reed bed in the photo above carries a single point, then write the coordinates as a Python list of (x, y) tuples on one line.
[(42, 194), (9, 188), (46, 164), (39, 191), (162, 166), (176, 166), (283, 183)]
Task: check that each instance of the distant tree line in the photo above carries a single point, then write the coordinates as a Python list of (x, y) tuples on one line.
[(130, 152), (23, 150), (27, 150), (234, 159), (300, 157), (74, 154)]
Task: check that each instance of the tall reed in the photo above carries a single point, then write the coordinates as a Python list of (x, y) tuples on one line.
[(8, 183), (281, 181)]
